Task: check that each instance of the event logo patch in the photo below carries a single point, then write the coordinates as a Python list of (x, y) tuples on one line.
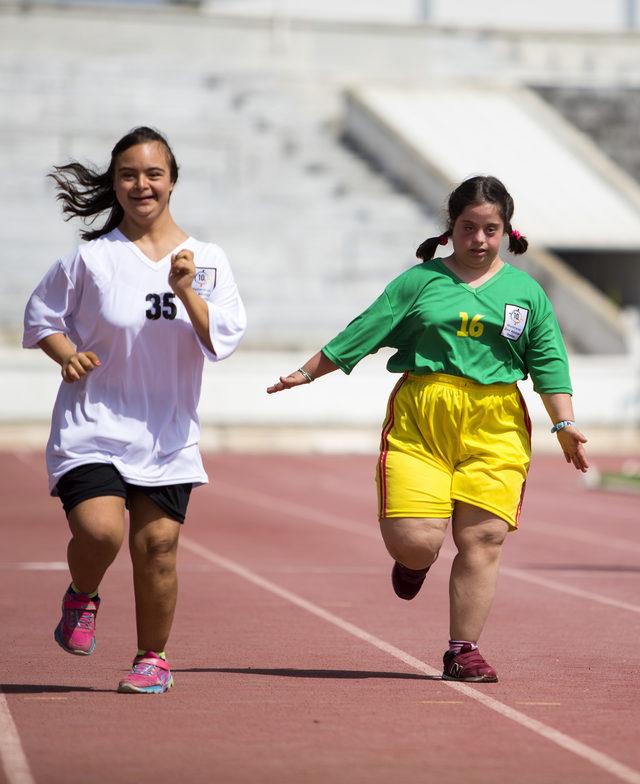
[(205, 281), (515, 319)]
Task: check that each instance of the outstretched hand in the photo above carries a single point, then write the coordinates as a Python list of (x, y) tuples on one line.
[(571, 441), (294, 379)]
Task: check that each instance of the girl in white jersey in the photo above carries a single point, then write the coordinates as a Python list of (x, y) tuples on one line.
[(455, 444), (130, 317)]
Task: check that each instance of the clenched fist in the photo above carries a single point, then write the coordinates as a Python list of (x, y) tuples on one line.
[(183, 271)]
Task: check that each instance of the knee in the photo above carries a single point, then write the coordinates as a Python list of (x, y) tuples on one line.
[(157, 551), (102, 537), (487, 542), (414, 547)]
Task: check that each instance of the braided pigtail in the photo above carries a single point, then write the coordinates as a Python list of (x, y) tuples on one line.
[(517, 242), (427, 249)]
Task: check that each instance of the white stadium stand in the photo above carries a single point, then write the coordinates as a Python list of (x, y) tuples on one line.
[(254, 106)]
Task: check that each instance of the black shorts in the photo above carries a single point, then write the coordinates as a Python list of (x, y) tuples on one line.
[(93, 480)]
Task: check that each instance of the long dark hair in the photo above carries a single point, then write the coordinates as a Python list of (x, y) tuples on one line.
[(477, 190), (86, 192)]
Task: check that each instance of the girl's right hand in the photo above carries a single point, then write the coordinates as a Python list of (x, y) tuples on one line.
[(294, 379), (78, 365)]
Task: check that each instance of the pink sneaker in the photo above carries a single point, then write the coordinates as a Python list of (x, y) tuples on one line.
[(149, 675), (469, 666), (76, 632)]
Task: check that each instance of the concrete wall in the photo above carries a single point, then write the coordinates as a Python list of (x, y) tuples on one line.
[(252, 111), (573, 15), (610, 116), (589, 320)]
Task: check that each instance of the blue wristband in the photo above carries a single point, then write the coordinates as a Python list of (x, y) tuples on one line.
[(561, 425)]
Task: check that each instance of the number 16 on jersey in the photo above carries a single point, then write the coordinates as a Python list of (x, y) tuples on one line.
[(472, 329)]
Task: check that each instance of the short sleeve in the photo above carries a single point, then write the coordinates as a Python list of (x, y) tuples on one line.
[(50, 307), (227, 316), (375, 327), (546, 355), (364, 335)]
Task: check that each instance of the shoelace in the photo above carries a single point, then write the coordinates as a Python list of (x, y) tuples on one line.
[(144, 668), (83, 618), (472, 659)]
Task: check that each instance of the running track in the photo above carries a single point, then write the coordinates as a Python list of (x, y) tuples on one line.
[(294, 661)]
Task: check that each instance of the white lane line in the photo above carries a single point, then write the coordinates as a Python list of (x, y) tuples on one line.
[(278, 504), (330, 484), (273, 503), (14, 761), (552, 585), (596, 758), (577, 535), (27, 459)]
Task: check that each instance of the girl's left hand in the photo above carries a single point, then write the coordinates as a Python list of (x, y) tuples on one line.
[(183, 271), (571, 441)]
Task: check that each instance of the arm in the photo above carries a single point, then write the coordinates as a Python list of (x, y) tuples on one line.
[(560, 408), (546, 359), (364, 335), (318, 365), (74, 364), (183, 271)]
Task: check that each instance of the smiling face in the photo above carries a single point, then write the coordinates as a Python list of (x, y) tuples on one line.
[(142, 182), (477, 234)]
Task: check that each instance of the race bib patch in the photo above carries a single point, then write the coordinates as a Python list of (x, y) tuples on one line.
[(515, 319), (205, 281)]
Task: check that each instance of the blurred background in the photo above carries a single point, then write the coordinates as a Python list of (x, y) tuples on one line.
[(318, 140)]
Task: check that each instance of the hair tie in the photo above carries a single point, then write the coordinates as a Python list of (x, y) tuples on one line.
[(515, 234), (443, 239)]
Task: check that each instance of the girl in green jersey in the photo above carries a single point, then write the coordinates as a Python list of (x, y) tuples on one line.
[(456, 438)]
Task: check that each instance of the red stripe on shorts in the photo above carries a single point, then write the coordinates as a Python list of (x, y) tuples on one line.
[(527, 424), (384, 446), (525, 411)]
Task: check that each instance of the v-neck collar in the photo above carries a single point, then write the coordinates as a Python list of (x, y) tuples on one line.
[(144, 258), (467, 286)]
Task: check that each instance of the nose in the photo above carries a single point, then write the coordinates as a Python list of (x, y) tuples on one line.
[(141, 182)]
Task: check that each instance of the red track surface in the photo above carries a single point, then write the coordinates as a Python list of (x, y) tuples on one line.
[(273, 685)]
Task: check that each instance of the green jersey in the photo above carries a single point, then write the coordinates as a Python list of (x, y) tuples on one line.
[(499, 332)]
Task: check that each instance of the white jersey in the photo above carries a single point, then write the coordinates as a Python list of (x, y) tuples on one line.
[(137, 410)]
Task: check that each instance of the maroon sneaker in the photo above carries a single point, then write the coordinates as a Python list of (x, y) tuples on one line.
[(407, 582), (468, 665)]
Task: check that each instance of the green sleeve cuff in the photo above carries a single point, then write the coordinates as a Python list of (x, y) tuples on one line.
[(345, 368)]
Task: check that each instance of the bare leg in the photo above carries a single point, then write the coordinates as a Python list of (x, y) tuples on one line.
[(153, 543), (479, 536), (97, 531), (413, 542)]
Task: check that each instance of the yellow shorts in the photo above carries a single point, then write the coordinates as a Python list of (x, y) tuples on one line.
[(448, 439)]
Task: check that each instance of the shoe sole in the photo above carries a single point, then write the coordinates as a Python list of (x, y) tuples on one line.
[(57, 636), (477, 679), (127, 688)]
